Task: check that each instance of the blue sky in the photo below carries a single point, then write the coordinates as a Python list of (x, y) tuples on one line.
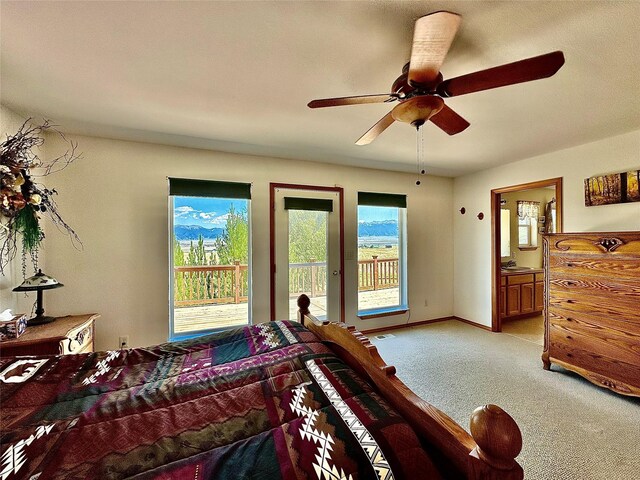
[(373, 214), (212, 212), (203, 211)]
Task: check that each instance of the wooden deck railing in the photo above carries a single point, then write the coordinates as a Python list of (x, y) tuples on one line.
[(378, 273), (307, 277), (212, 284), (207, 284)]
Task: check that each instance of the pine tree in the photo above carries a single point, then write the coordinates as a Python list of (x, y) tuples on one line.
[(233, 245), (191, 258), (200, 254), (191, 284), (200, 258), (178, 254), (178, 260)]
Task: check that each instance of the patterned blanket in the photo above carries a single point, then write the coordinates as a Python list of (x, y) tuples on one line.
[(263, 402)]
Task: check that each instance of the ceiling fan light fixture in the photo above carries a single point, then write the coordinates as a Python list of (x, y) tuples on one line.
[(420, 88), (417, 110)]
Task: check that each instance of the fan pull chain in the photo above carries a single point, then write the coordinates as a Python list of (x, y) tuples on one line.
[(420, 164)]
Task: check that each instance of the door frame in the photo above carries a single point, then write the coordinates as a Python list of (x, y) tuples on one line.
[(496, 321), (272, 240)]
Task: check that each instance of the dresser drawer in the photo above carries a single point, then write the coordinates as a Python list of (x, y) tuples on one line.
[(609, 299), (618, 376), (579, 352), (598, 287), (597, 337), (520, 279), (599, 265), (79, 340), (593, 321)]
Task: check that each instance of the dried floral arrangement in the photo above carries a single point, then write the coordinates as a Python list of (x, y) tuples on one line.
[(23, 200)]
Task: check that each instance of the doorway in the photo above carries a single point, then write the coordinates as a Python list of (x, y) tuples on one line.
[(307, 245), (529, 219)]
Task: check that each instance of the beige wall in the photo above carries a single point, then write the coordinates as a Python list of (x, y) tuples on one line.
[(472, 249), (115, 197)]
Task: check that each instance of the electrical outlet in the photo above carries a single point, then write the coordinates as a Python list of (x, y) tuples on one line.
[(123, 342), (426, 304)]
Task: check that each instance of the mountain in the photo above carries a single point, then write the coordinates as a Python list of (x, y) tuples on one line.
[(193, 232), (385, 228)]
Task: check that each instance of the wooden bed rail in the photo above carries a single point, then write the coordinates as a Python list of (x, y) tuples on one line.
[(487, 454)]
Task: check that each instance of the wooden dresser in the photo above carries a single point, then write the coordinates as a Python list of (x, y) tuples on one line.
[(592, 307), (70, 334)]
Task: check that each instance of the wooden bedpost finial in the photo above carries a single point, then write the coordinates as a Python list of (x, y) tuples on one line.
[(499, 442), (303, 304)]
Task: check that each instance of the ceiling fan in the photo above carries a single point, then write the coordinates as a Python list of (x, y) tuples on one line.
[(420, 89)]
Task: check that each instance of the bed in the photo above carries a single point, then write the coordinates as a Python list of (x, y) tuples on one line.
[(278, 400)]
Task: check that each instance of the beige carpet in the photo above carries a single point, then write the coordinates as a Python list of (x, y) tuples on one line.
[(572, 430)]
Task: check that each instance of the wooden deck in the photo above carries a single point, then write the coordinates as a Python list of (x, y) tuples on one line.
[(190, 319)]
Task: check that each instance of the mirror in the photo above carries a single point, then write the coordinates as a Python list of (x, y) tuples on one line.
[(505, 232)]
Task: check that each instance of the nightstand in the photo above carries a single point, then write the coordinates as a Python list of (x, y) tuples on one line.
[(70, 334)]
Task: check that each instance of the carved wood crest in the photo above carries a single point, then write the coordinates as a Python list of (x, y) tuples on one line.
[(607, 244), (610, 244)]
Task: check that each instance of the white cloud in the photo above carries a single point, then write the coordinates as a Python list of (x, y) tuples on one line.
[(199, 217), (212, 217), (220, 220), (183, 211)]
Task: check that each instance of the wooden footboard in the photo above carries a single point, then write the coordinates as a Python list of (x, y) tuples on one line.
[(488, 453)]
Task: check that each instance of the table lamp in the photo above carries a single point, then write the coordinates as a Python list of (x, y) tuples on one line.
[(39, 282)]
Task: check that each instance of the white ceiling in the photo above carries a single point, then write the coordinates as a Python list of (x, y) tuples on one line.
[(236, 76)]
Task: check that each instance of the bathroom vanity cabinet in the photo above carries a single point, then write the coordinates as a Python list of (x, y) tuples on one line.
[(521, 293)]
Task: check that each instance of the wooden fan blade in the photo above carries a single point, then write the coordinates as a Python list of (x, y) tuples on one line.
[(449, 121), (522, 71), (432, 37), (376, 130), (335, 102)]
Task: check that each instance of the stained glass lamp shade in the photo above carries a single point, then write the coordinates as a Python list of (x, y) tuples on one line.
[(38, 283)]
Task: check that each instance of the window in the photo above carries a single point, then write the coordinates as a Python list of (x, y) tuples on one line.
[(209, 256), (528, 224), (382, 272)]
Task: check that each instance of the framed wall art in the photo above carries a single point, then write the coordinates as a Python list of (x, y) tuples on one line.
[(621, 187)]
